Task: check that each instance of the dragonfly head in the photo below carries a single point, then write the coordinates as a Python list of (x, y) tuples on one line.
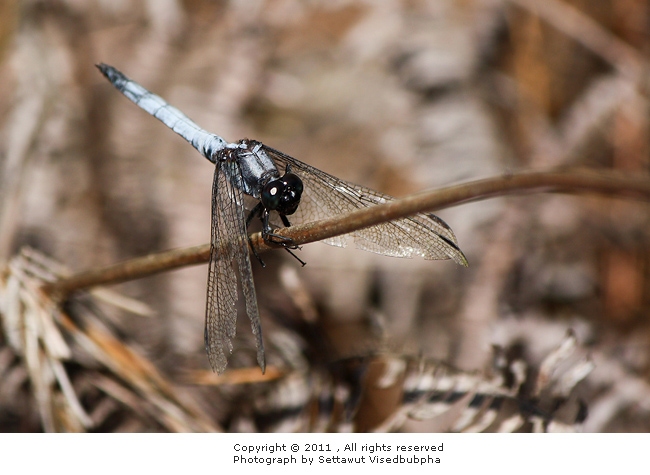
[(282, 194)]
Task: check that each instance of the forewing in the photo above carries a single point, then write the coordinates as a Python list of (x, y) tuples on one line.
[(324, 196), (229, 243)]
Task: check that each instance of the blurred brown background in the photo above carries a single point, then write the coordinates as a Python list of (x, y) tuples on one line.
[(398, 95)]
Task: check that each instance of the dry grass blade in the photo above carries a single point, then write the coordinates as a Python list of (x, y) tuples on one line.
[(235, 376), (422, 395), (50, 342)]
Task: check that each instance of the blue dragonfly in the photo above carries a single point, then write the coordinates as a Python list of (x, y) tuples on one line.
[(279, 187)]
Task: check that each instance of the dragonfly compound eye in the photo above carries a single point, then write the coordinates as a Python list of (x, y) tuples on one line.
[(291, 193), (283, 194), (272, 193)]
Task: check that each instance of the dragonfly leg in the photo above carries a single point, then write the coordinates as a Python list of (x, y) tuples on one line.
[(269, 236), (286, 222), (302, 263), (285, 242)]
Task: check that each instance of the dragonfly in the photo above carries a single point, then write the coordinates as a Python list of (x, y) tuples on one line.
[(253, 180)]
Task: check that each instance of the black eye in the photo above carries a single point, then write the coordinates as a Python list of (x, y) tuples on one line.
[(282, 194), (290, 194), (272, 194), (292, 182)]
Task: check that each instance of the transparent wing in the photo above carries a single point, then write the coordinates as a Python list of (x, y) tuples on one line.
[(324, 196), (229, 243)]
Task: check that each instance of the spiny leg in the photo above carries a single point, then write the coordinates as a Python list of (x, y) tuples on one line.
[(287, 224), (285, 242), (269, 236)]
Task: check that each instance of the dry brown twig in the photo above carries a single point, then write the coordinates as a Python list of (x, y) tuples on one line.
[(557, 181)]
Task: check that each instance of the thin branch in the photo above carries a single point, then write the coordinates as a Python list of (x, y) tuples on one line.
[(559, 181), (129, 270)]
